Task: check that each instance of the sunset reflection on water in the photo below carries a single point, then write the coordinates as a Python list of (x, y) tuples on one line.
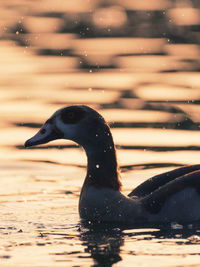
[(137, 63)]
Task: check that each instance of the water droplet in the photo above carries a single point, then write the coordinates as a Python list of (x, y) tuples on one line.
[(97, 166), (24, 199), (190, 226), (175, 225)]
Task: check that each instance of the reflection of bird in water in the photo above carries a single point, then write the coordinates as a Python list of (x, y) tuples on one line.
[(172, 196), (103, 243)]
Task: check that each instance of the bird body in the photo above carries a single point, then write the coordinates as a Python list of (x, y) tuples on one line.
[(106, 204), (170, 197)]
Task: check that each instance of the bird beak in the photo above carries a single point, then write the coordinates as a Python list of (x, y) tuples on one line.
[(47, 133)]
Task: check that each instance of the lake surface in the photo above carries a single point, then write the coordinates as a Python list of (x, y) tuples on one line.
[(138, 65)]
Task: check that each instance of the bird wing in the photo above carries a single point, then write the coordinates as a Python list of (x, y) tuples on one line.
[(155, 200), (157, 181)]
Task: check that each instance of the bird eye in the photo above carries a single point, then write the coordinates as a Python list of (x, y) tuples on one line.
[(71, 115)]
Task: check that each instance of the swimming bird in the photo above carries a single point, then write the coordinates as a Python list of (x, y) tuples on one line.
[(173, 196)]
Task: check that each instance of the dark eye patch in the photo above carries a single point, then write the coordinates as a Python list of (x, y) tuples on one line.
[(71, 115)]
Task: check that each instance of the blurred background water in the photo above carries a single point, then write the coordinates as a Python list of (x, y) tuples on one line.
[(137, 63)]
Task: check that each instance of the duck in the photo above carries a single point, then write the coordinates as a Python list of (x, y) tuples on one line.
[(173, 196)]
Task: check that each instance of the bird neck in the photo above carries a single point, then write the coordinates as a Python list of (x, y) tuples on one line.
[(102, 169)]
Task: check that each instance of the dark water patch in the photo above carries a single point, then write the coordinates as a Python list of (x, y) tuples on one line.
[(27, 124), (163, 107), (149, 166), (166, 254), (12, 228), (42, 235), (68, 192), (36, 179), (180, 37), (145, 53), (53, 14), (65, 192), (64, 235), (64, 227), (160, 148), (44, 161), (186, 124), (166, 232), (19, 37), (195, 101), (65, 253), (128, 100), (54, 163), (18, 28), (41, 244), (96, 67), (114, 104), (170, 71), (128, 94), (25, 244), (5, 257), (81, 26), (55, 52)]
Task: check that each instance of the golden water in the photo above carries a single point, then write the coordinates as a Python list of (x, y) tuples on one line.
[(146, 86)]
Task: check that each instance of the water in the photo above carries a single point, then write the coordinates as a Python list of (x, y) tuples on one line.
[(141, 72)]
